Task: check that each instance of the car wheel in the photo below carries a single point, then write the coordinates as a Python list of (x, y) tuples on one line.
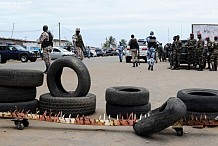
[(21, 78), (199, 100), (127, 95), (23, 58), (54, 77), (166, 115), (85, 105), (125, 111)]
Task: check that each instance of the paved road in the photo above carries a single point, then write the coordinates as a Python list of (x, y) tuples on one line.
[(106, 72)]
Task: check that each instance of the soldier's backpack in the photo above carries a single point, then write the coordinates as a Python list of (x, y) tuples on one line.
[(50, 41)]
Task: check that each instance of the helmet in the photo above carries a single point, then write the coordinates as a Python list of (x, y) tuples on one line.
[(77, 29), (45, 28), (151, 33)]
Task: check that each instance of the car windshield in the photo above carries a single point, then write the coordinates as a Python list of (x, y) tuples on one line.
[(20, 48)]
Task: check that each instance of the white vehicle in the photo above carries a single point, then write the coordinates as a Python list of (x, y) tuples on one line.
[(94, 54), (142, 51), (58, 52)]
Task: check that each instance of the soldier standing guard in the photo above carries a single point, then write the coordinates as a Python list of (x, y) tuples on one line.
[(199, 49), (214, 54), (191, 44), (78, 44), (46, 43), (208, 52), (176, 53)]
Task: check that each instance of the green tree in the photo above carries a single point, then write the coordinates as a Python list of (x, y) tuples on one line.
[(123, 42), (110, 42)]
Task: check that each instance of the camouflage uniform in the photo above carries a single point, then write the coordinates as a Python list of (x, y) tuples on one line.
[(199, 50), (191, 52), (207, 53), (214, 55), (176, 53), (46, 49), (79, 45)]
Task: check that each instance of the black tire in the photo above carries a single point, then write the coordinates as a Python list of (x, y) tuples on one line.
[(33, 59), (21, 78), (26, 106), (211, 116), (17, 94), (54, 77), (166, 115), (3, 61), (23, 58), (75, 106), (127, 96), (114, 110), (199, 100)]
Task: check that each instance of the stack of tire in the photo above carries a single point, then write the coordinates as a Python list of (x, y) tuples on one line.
[(18, 89), (69, 103), (124, 100), (200, 102)]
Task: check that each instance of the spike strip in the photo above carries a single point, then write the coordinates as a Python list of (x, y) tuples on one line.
[(79, 120)]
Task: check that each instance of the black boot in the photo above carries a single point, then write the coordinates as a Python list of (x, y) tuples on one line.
[(133, 64), (149, 67), (188, 68), (152, 68), (46, 70), (136, 64), (200, 68)]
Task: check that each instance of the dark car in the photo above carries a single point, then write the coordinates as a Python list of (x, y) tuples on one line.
[(111, 52), (99, 52), (16, 52)]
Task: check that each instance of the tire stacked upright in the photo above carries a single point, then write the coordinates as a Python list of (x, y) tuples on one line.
[(200, 102), (73, 103), (122, 101), (18, 89)]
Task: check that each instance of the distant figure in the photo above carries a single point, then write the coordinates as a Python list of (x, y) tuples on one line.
[(208, 52), (214, 54), (78, 43), (45, 40), (191, 44), (152, 43), (88, 50), (134, 47), (176, 53), (200, 49), (120, 53)]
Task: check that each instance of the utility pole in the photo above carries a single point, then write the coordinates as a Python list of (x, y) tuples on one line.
[(12, 31), (59, 33)]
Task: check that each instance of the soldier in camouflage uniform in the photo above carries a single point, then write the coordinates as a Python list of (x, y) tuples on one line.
[(78, 43), (191, 52), (170, 52), (200, 49), (176, 53), (214, 54), (46, 47), (208, 51)]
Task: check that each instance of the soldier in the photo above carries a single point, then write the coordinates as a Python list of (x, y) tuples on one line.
[(214, 54), (152, 44), (78, 43), (171, 50), (160, 51), (46, 43), (199, 50), (176, 53), (208, 51), (191, 52), (134, 47)]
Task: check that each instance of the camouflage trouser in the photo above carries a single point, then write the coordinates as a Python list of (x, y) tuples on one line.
[(213, 60), (79, 53), (200, 58), (46, 55), (176, 59), (134, 55), (170, 55), (191, 57)]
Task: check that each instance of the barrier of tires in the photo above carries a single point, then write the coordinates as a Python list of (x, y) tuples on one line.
[(166, 115), (124, 100), (200, 102), (18, 89)]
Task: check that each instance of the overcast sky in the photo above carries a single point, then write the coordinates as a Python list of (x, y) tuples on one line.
[(99, 19)]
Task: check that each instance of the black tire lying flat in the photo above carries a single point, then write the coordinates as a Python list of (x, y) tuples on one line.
[(114, 110), (166, 115), (199, 100), (17, 94), (31, 106), (75, 106), (54, 77), (21, 78), (211, 116), (127, 96)]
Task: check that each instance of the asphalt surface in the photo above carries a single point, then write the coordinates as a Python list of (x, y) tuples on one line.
[(106, 72)]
